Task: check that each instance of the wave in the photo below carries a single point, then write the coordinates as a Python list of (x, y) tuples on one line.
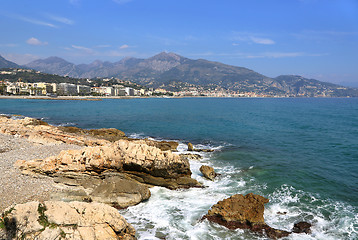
[(176, 214)]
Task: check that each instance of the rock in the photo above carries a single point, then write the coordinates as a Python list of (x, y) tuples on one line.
[(163, 145), (190, 147), (191, 156), (110, 134), (40, 132), (115, 189), (61, 220), (120, 192), (135, 158), (208, 172), (32, 121), (248, 209), (203, 150), (245, 212), (171, 183), (302, 227)]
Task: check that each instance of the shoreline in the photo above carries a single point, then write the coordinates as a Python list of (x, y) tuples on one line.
[(100, 98)]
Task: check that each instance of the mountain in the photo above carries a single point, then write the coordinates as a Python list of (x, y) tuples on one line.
[(54, 65), (7, 64), (172, 71)]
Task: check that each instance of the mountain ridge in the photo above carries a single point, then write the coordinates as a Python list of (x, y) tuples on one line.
[(172, 71), (7, 64)]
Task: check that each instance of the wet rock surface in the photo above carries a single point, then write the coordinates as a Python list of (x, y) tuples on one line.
[(246, 212), (302, 227), (208, 172)]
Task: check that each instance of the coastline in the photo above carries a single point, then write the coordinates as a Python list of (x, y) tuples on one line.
[(100, 98), (177, 202)]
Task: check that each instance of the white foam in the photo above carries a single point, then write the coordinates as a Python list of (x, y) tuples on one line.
[(176, 214)]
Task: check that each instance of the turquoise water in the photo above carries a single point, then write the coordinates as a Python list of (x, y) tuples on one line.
[(300, 153)]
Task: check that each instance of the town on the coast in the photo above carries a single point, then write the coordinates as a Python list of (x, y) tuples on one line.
[(106, 87)]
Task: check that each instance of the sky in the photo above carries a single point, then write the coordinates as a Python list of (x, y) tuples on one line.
[(312, 38)]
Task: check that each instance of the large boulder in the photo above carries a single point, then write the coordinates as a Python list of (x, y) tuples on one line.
[(302, 227), (115, 189), (122, 156), (208, 172), (60, 220), (245, 212)]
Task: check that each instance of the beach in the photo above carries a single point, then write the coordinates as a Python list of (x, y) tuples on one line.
[(18, 188)]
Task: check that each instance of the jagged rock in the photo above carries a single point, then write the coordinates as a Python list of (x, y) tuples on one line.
[(302, 227), (123, 155), (163, 145), (191, 156), (190, 147), (208, 172), (60, 220), (203, 150), (32, 121), (40, 132), (244, 212)]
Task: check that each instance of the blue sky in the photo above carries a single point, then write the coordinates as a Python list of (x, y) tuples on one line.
[(312, 38)]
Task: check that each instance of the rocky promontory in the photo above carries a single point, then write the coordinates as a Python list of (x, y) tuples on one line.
[(110, 167)]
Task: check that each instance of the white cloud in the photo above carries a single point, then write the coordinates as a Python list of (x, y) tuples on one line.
[(60, 19), (35, 21), (124, 46), (35, 41), (83, 49), (251, 38), (20, 58), (265, 41)]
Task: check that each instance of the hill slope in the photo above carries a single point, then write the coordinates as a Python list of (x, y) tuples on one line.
[(169, 69), (7, 64)]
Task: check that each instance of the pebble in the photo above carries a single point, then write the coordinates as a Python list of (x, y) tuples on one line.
[(18, 188)]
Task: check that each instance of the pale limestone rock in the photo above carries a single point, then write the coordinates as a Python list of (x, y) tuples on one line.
[(60, 220)]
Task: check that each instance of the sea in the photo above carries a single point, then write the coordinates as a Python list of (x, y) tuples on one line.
[(300, 153)]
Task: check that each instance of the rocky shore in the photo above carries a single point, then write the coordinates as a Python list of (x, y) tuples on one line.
[(56, 180), (72, 164)]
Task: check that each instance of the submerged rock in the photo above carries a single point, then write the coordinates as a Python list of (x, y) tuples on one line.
[(61, 220), (245, 212), (208, 172)]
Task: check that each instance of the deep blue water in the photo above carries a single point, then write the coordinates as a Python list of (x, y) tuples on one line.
[(304, 148)]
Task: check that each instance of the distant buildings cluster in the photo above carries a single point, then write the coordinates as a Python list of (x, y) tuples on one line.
[(68, 89)]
